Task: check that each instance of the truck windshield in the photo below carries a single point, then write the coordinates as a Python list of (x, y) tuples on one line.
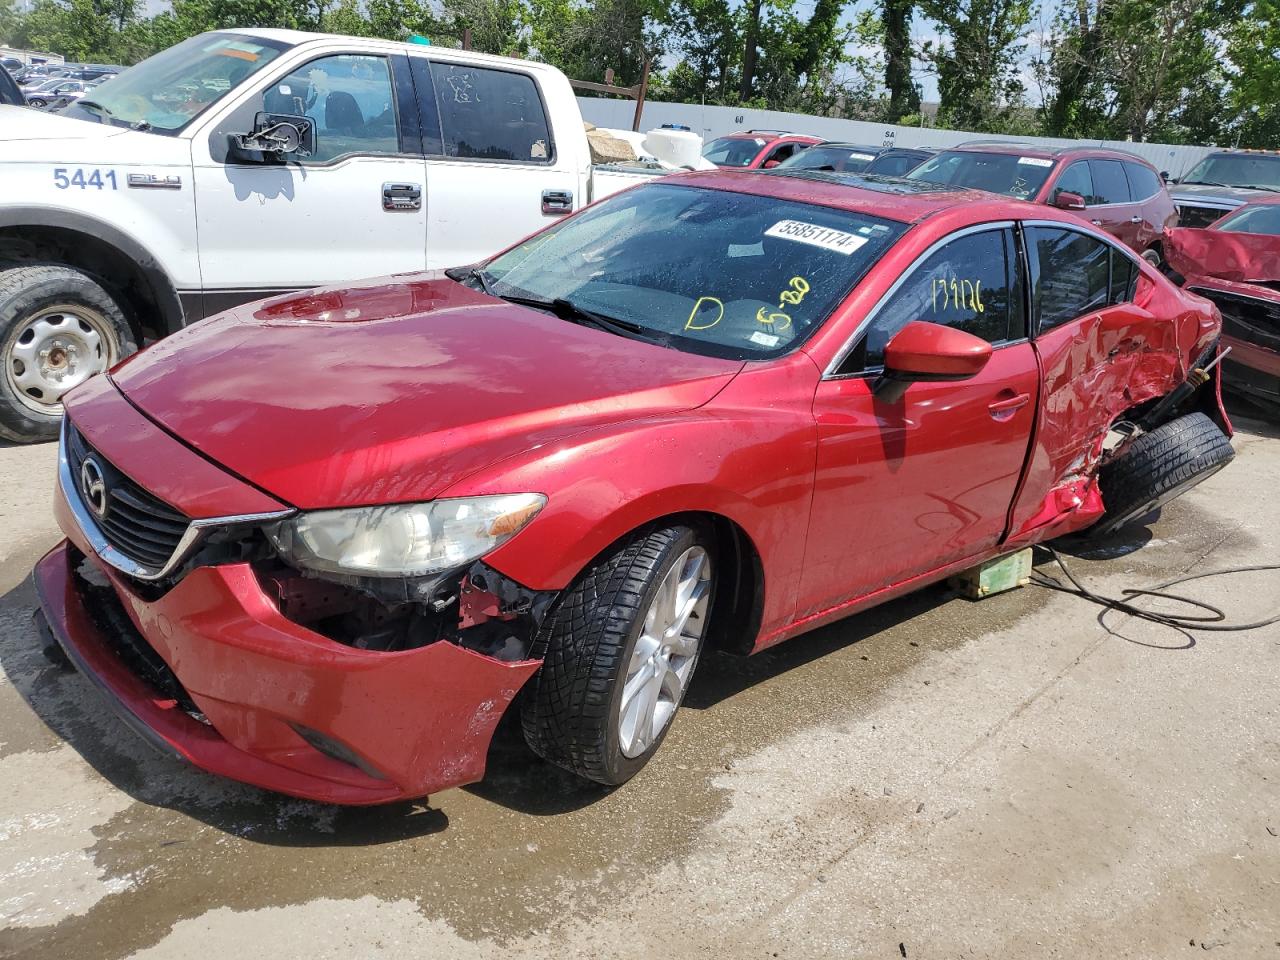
[(1256, 170), (709, 271), (1007, 173), (166, 92)]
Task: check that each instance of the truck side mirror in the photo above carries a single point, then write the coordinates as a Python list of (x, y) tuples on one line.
[(275, 137)]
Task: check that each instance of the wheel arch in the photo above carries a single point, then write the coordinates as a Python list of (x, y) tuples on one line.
[(126, 268)]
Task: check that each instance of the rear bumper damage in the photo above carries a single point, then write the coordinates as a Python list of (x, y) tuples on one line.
[(212, 672)]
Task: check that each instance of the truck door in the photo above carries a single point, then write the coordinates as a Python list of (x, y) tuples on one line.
[(906, 487), (353, 209), (494, 171)]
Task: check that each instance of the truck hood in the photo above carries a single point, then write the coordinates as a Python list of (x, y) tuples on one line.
[(34, 136), (393, 390), (1226, 197)]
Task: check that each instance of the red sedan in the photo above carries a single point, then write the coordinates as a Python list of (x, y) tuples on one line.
[(321, 543)]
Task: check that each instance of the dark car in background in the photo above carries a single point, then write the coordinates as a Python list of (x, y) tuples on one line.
[(9, 92), (1116, 191), (899, 161), (53, 92), (834, 157), (1223, 181), (756, 149)]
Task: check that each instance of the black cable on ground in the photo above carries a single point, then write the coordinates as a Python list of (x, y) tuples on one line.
[(1213, 621)]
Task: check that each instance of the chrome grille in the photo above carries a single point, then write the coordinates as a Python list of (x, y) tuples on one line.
[(141, 526)]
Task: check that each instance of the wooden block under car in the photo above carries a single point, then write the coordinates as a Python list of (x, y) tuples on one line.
[(994, 576)]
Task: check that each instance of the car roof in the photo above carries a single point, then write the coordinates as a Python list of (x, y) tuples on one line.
[(845, 145), (1044, 151), (768, 136), (890, 198)]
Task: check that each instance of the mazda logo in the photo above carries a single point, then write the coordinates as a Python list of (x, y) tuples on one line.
[(94, 486)]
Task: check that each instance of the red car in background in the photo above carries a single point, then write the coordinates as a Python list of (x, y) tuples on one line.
[(1116, 191), (756, 149), (719, 409), (1235, 262)]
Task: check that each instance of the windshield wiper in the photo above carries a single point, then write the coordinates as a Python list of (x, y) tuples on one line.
[(94, 104), (472, 273), (1208, 183), (1258, 186), (568, 310)]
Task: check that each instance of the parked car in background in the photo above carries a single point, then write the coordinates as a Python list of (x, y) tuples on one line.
[(12, 64), (68, 97), (1235, 262), (1116, 191), (320, 544), (241, 164), (839, 157), (1222, 181), (53, 92), (756, 149), (10, 92), (898, 161)]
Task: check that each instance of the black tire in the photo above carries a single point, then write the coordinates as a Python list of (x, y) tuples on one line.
[(1158, 466), (36, 103), (1152, 256), (24, 292), (570, 710)]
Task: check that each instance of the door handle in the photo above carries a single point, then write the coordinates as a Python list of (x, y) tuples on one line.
[(556, 203), (1096, 223), (1135, 219), (401, 196), (1009, 403)]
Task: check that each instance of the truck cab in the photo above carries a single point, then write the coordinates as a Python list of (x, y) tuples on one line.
[(241, 164)]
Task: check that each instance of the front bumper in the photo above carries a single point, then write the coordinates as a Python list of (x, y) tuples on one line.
[(414, 722)]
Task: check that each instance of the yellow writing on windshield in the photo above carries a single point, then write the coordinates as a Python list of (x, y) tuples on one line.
[(797, 287), (957, 294), (703, 323)]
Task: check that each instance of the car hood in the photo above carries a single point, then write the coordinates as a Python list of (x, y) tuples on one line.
[(1226, 254), (20, 123), (391, 391), (1227, 196)]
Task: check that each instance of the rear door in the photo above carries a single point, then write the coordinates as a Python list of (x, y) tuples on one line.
[(1092, 337), (495, 173), (904, 488), (1151, 204), (1112, 207)]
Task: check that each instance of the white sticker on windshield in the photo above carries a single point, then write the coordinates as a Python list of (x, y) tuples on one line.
[(861, 156), (1035, 161), (836, 241), (764, 339)]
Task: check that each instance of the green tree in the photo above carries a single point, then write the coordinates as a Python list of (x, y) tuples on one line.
[(977, 59), (904, 96)]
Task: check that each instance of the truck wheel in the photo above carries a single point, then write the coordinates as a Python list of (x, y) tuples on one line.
[(1158, 466), (58, 328), (618, 653)]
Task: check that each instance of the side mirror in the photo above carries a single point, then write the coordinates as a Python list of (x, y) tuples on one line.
[(275, 136), (1164, 175), (770, 164), (929, 352), (1066, 200)]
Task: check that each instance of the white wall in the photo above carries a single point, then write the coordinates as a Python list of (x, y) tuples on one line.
[(716, 121)]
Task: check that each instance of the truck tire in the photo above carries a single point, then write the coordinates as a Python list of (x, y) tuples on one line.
[(58, 327), (1158, 466), (618, 652)]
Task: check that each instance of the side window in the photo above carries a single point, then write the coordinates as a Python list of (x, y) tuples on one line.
[(1109, 182), (1123, 273), (350, 97), (491, 114), (965, 284), (1076, 179), (1072, 276), (784, 151), (1144, 183)]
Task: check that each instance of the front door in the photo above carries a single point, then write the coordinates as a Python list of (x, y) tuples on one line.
[(344, 213), (903, 488)]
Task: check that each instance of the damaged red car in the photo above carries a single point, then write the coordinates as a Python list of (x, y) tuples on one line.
[(1235, 262), (323, 543)]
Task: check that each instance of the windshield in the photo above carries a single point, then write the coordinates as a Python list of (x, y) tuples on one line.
[(708, 271), (166, 92), (828, 157), (733, 151), (1007, 173), (1263, 219), (1237, 170)]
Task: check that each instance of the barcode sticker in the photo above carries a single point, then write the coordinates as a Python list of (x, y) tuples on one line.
[(836, 241)]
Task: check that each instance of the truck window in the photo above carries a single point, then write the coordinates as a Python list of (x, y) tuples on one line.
[(965, 284), (491, 114), (1073, 276)]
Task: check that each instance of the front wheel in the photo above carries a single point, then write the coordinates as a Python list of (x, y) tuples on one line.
[(619, 652), (58, 327), (37, 103)]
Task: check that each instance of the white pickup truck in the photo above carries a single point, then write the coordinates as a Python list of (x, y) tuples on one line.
[(241, 164)]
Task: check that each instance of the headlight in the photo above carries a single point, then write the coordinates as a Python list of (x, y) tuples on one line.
[(403, 540)]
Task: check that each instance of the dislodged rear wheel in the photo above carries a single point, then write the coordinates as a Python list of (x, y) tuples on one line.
[(618, 653), (1158, 466)]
